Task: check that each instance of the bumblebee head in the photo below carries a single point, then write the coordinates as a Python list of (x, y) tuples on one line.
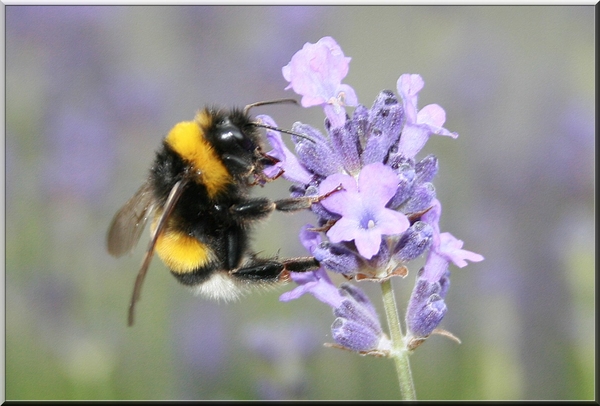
[(217, 149), (232, 138), (224, 146)]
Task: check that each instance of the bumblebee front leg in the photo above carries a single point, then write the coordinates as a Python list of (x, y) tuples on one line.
[(256, 209), (300, 203)]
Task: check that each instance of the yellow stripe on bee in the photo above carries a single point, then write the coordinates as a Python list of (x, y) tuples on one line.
[(187, 139), (182, 253)]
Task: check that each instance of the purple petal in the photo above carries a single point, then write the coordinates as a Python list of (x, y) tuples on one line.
[(339, 202), (367, 242), (433, 116), (336, 115), (436, 266), (450, 248), (432, 217), (391, 222), (344, 229), (349, 95), (309, 239), (293, 170), (412, 140), (408, 87), (378, 182), (316, 283)]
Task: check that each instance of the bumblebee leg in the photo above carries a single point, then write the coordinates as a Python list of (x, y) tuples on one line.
[(252, 209), (270, 270), (300, 203), (256, 209)]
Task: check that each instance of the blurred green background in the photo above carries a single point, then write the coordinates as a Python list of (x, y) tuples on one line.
[(90, 92)]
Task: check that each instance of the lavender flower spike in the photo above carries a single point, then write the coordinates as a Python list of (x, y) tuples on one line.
[(386, 213)]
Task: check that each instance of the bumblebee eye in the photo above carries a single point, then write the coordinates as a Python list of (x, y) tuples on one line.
[(228, 131), (230, 134)]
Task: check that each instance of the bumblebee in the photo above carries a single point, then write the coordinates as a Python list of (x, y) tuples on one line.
[(197, 199)]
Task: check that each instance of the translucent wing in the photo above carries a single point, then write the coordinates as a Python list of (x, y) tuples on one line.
[(174, 196), (129, 222)]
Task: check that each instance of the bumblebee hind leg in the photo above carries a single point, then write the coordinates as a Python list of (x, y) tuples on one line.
[(254, 273), (271, 270)]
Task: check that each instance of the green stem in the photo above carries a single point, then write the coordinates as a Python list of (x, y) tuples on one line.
[(399, 352)]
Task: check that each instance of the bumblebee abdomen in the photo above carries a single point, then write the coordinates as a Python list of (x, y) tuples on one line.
[(183, 253)]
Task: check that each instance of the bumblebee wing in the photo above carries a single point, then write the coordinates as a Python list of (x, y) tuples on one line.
[(174, 196), (129, 222)]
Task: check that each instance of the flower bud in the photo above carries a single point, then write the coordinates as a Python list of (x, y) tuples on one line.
[(426, 308), (357, 325), (414, 242), (426, 169), (337, 258), (420, 200)]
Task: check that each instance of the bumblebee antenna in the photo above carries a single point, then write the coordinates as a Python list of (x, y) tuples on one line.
[(263, 103), (269, 127), (281, 130)]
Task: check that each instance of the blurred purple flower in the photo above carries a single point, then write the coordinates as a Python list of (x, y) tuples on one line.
[(277, 340), (200, 337), (282, 344), (80, 152)]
